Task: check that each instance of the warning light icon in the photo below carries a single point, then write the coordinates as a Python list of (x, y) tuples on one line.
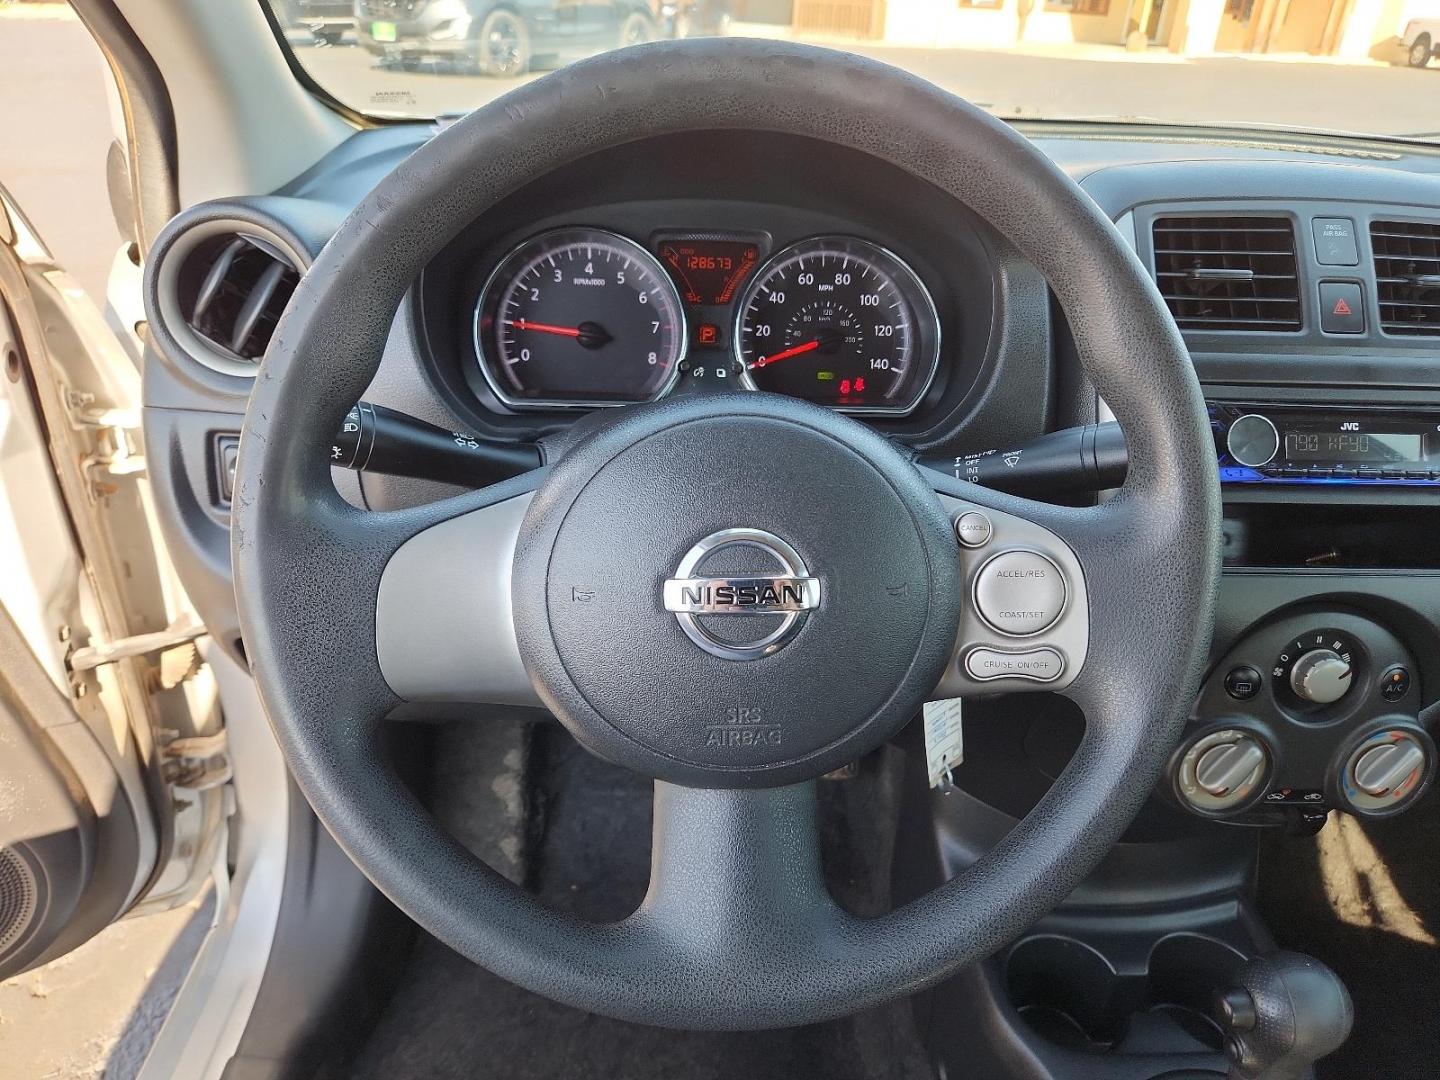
[(1341, 307)]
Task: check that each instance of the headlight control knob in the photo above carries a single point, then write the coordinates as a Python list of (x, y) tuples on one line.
[(1321, 676)]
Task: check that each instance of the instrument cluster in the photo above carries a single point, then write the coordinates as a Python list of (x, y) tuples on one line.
[(581, 317)]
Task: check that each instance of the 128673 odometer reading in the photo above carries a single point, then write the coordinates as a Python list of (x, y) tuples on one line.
[(579, 317), (841, 322)]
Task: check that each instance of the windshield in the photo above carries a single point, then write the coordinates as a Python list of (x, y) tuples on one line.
[(1314, 65)]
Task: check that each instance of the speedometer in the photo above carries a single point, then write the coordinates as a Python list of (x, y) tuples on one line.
[(841, 322), (579, 317)]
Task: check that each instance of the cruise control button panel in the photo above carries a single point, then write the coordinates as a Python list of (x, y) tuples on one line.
[(1019, 593), (1025, 623), (1038, 665), (973, 529)]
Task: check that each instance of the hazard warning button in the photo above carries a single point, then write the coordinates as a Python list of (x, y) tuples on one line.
[(1342, 307)]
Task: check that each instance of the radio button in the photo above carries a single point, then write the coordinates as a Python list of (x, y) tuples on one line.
[(1252, 440), (1342, 307)]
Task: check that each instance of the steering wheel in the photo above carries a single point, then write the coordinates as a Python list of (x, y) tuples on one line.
[(595, 586)]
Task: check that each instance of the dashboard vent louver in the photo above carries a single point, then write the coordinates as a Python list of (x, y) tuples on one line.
[(1228, 273), (232, 291), (1407, 276)]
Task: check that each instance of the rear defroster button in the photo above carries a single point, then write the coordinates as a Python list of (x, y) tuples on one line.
[(1019, 592)]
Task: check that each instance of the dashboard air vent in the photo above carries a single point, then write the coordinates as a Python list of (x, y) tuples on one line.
[(1407, 276), (232, 289), (1228, 273)]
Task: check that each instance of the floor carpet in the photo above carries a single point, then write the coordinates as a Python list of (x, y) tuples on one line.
[(582, 844), (1364, 897)]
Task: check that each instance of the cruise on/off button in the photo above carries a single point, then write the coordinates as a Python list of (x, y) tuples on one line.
[(1019, 592)]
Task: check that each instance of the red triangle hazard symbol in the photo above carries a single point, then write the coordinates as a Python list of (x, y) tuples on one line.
[(1341, 307)]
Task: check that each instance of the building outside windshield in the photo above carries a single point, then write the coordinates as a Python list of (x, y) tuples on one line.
[(1360, 67)]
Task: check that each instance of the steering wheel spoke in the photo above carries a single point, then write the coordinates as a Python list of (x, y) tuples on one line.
[(1025, 615), (736, 882), (443, 625), (1105, 558)]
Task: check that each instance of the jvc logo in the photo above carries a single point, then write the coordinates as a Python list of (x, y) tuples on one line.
[(1350, 425)]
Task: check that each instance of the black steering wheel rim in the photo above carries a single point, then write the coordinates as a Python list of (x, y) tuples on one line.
[(738, 933)]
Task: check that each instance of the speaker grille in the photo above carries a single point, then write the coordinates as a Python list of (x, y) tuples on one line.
[(19, 897)]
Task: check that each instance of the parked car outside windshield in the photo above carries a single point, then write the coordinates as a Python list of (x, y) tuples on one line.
[(1320, 66)]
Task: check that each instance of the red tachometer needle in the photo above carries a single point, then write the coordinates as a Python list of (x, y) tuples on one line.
[(785, 354), (546, 328)]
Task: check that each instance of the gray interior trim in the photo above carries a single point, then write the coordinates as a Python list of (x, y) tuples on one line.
[(443, 624), (243, 123)]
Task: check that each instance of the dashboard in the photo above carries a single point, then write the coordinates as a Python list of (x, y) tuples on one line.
[(1304, 275)]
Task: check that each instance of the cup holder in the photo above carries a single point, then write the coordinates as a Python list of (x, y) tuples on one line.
[(1074, 996)]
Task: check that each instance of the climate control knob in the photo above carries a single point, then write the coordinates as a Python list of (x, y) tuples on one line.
[(1385, 768), (1225, 766), (1385, 771), (1321, 676), (1222, 771)]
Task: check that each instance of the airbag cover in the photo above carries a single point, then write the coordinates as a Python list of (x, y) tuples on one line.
[(616, 518)]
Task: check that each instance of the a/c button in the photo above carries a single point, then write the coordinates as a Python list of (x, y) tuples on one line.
[(1039, 665)]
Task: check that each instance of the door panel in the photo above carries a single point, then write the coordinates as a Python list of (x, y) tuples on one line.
[(97, 741)]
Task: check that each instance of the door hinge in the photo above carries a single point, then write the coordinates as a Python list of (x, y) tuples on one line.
[(196, 763), (115, 440), (179, 635)]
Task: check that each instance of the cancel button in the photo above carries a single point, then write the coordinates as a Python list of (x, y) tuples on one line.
[(1019, 592), (1040, 665)]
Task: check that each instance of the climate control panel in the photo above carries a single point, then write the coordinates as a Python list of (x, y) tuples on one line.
[(1314, 711)]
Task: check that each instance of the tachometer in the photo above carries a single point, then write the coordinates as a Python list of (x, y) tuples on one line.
[(841, 322), (579, 318)]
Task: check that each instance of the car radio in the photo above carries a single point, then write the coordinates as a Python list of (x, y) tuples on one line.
[(1317, 444)]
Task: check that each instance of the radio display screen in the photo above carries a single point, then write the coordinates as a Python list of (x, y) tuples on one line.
[(1377, 448)]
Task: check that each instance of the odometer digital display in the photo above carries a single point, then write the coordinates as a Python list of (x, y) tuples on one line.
[(709, 271), (841, 322)]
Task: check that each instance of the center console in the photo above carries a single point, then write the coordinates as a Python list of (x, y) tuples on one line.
[(1318, 691), (1323, 682)]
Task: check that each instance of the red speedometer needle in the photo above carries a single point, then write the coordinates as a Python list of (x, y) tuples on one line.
[(546, 328), (785, 354)]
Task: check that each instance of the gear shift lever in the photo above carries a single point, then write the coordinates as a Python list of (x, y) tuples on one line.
[(1283, 1013)]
